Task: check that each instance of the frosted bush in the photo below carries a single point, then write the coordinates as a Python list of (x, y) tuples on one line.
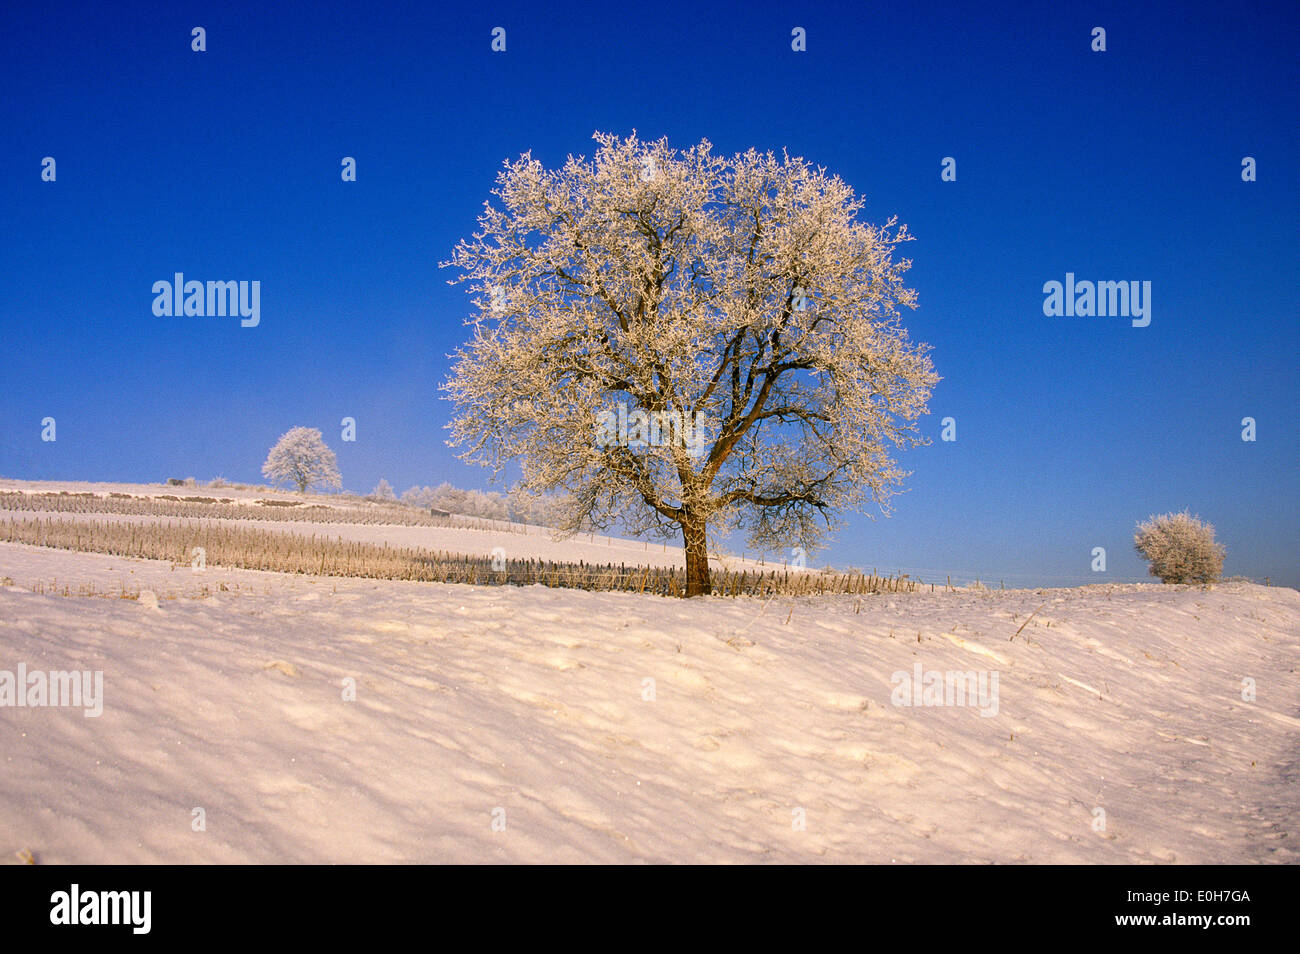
[(1180, 548)]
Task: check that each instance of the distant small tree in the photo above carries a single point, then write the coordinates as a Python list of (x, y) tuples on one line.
[(543, 510), (383, 491), (451, 499), (301, 458), (1180, 548), (417, 496)]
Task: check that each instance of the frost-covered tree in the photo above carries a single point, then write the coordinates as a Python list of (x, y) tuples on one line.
[(542, 510), (452, 499), (301, 458), (684, 342), (1180, 548), (417, 496), (383, 490)]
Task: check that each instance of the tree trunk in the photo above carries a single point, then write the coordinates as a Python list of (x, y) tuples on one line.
[(697, 556)]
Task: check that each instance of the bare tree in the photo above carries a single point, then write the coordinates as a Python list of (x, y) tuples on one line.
[(687, 342), (301, 457)]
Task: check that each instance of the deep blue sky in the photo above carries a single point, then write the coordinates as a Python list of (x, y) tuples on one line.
[(1117, 165)]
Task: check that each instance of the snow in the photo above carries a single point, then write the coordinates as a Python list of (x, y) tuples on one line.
[(229, 697), (536, 543), (519, 541), (103, 488)]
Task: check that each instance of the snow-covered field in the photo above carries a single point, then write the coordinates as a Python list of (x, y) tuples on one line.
[(535, 544), (519, 541), (529, 724), (246, 495)]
